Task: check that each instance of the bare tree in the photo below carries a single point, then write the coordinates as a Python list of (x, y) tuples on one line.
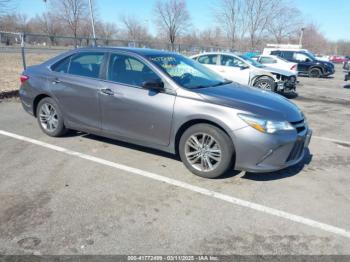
[(259, 13), (314, 39), (134, 29), (229, 15), (71, 12), (106, 31), (48, 24), (285, 23), (172, 18)]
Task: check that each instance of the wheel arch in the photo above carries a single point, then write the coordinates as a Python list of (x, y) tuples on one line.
[(36, 101), (192, 122), (317, 67), (256, 78)]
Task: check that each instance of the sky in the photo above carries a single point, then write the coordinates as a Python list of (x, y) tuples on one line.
[(333, 17)]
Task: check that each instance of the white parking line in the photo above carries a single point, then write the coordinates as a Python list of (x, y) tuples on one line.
[(332, 140), (200, 190)]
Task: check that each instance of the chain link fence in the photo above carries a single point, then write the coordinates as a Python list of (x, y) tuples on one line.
[(18, 50)]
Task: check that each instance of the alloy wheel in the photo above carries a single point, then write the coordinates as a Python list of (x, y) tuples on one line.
[(48, 117), (264, 85), (203, 152)]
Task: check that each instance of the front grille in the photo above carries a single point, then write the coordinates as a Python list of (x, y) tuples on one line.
[(297, 150), (299, 125)]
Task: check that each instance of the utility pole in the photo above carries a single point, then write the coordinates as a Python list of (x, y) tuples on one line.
[(92, 22), (301, 36)]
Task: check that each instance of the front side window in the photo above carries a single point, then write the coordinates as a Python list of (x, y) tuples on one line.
[(86, 64), (301, 57), (208, 59), (231, 61), (186, 72), (129, 70)]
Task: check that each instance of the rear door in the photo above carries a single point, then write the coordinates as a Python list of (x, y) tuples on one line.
[(234, 69), (75, 82)]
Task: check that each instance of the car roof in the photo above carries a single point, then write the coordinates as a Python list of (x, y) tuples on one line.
[(139, 51), (216, 53)]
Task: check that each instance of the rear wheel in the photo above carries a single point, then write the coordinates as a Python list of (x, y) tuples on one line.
[(50, 118), (315, 73), (206, 150), (265, 83)]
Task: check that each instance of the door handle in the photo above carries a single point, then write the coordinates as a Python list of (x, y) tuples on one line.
[(56, 81), (107, 91)]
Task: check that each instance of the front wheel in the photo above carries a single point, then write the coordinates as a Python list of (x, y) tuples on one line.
[(265, 83), (206, 150), (50, 118), (315, 73)]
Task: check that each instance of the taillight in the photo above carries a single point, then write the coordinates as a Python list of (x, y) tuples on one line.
[(23, 78), (294, 68)]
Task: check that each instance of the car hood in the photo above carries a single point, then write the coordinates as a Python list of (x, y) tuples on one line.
[(279, 71), (251, 100)]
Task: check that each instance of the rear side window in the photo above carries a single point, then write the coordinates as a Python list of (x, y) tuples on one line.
[(86, 64), (62, 65), (267, 60), (128, 70), (288, 55), (278, 53), (208, 59)]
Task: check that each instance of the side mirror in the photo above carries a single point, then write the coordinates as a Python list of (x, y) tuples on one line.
[(244, 67), (155, 84)]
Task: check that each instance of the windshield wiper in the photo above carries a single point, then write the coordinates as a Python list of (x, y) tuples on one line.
[(218, 84)]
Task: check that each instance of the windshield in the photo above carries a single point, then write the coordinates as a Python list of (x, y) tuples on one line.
[(251, 61), (186, 72), (311, 55)]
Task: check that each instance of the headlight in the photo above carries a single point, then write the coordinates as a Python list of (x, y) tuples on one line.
[(264, 125)]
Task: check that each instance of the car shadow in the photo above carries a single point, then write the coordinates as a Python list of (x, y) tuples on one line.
[(281, 174), (347, 86), (129, 146), (291, 95)]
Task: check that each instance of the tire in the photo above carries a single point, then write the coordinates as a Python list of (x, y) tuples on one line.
[(265, 83), (50, 118), (315, 73), (217, 140)]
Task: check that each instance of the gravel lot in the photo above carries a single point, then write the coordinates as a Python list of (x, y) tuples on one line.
[(58, 203)]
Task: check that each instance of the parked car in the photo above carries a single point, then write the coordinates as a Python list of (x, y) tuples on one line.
[(338, 59), (277, 62), (247, 71), (347, 76), (307, 63), (168, 102)]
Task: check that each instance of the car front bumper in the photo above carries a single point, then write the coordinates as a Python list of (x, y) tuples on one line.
[(259, 152), (329, 71), (347, 77)]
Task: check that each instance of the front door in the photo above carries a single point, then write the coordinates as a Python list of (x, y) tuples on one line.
[(234, 69), (304, 62), (130, 111)]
